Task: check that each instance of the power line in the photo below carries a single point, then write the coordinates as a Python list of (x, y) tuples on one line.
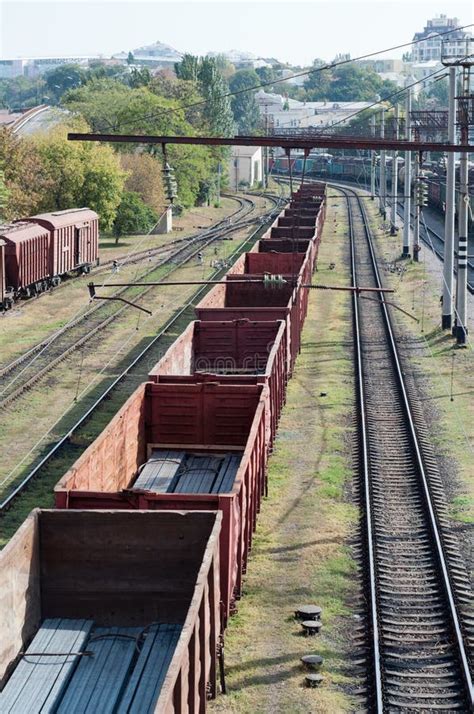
[(307, 72), (385, 99)]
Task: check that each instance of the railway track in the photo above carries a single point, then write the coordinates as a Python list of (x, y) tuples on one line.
[(430, 237), (435, 242), (142, 255), (418, 596), (12, 492), (25, 371)]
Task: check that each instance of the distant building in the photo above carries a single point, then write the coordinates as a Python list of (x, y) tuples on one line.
[(242, 59), (423, 70), (245, 166), (288, 76), (10, 68), (155, 55), (383, 66), (37, 66), (432, 43), (284, 113)]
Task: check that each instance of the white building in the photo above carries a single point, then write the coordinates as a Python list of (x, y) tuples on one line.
[(245, 166), (432, 43), (242, 59), (155, 55), (424, 70), (10, 68), (285, 113), (37, 66)]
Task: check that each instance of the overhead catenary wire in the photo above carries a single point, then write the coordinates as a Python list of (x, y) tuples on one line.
[(375, 103), (83, 310), (467, 439), (305, 73), (176, 302)]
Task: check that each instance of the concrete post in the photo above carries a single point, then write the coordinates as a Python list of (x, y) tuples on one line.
[(416, 217), (393, 213), (165, 224), (461, 284), (265, 152), (383, 177), (372, 160), (448, 264), (219, 170), (407, 190)]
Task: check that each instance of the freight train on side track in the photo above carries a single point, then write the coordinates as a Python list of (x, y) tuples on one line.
[(117, 600), (37, 252), (356, 169)]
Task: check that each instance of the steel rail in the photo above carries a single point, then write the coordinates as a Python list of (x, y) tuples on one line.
[(422, 470), (375, 636), (51, 363), (212, 233), (7, 502), (135, 257), (427, 497), (426, 240)]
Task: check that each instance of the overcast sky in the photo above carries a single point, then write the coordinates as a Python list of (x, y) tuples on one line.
[(296, 32)]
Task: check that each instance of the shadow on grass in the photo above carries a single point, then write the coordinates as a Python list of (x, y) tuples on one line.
[(300, 546)]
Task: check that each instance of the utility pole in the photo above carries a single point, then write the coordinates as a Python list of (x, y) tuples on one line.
[(463, 214), (407, 191), (265, 151), (219, 168), (416, 217), (448, 264), (393, 213), (372, 160), (383, 178)]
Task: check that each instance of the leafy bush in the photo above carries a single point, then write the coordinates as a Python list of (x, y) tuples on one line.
[(133, 215)]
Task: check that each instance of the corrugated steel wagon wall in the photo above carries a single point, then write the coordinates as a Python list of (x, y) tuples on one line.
[(2, 271), (207, 416), (74, 238), (125, 568), (26, 255), (233, 352)]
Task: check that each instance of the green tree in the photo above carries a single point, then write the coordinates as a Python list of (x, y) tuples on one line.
[(79, 174), (317, 84), (99, 70), (346, 83), (3, 196), (214, 89), (244, 107), (139, 77), (188, 68), (64, 77), (130, 58), (133, 216), (103, 182), (23, 174), (21, 93), (217, 110), (439, 91), (193, 165), (183, 92), (145, 177), (225, 67), (266, 75), (110, 106)]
